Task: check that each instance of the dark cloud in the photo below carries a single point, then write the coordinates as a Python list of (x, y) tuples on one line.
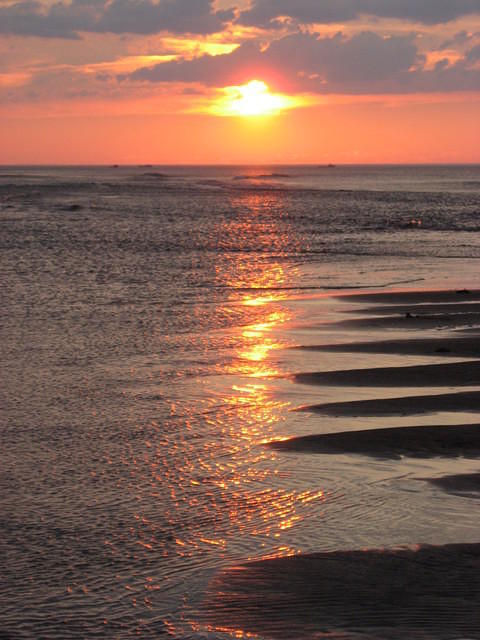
[(29, 19), (458, 39), (364, 58), (147, 16), (263, 12), (473, 55), (364, 63), (66, 20), (459, 77), (426, 11), (208, 70)]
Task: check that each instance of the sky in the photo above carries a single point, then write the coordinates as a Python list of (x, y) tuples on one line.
[(239, 81)]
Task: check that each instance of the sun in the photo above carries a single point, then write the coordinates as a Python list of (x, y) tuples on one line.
[(252, 99), (255, 99)]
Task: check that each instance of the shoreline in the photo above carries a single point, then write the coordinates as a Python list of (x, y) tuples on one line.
[(430, 592)]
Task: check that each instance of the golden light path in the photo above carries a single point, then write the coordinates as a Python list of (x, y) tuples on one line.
[(255, 499), (231, 498), (253, 99)]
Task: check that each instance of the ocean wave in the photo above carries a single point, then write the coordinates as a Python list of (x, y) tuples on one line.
[(261, 176), (155, 174), (210, 182)]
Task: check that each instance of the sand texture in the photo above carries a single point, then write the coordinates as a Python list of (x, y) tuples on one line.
[(406, 406), (456, 347), (415, 592), (422, 442), (461, 483), (420, 309), (414, 297), (429, 593), (431, 375), (412, 321)]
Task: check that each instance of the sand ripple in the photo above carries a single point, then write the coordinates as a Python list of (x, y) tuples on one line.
[(430, 592)]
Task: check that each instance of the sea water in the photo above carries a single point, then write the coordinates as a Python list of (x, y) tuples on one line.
[(148, 317)]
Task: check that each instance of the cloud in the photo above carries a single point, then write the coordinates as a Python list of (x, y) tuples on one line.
[(208, 70), (67, 20), (473, 55), (264, 12), (364, 58), (459, 39), (176, 16), (362, 64), (30, 19)]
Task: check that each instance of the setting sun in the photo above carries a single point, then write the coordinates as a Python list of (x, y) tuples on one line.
[(253, 99)]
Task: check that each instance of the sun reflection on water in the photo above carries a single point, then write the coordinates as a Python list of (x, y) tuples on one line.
[(223, 493), (247, 410), (224, 472)]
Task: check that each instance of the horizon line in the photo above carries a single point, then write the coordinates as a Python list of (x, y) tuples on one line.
[(146, 165)]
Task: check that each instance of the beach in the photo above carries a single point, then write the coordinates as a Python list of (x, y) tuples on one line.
[(413, 590), (264, 425), (240, 320)]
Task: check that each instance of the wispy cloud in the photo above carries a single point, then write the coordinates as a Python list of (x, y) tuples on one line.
[(264, 12), (191, 49), (362, 63), (69, 20)]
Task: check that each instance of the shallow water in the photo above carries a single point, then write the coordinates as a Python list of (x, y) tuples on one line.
[(147, 320)]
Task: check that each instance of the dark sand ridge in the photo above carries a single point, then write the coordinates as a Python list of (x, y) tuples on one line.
[(420, 309), (412, 297), (462, 347), (428, 375), (392, 442), (430, 593), (466, 482), (420, 321), (407, 406)]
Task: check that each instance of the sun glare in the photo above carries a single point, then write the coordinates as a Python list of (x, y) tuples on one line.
[(252, 99)]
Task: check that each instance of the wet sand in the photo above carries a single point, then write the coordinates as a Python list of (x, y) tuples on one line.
[(430, 592), (414, 310), (462, 483), (405, 406), (420, 592), (432, 375), (453, 347), (412, 320), (421, 442), (421, 309), (414, 297)]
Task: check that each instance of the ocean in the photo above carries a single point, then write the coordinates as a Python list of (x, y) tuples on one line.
[(151, 318)]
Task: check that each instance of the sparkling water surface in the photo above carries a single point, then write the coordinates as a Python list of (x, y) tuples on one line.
[(148, 315)]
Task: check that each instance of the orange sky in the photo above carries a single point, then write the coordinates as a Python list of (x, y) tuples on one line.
[(96, 83)]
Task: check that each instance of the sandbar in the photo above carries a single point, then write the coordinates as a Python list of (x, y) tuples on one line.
[(412, 297), (423, 592), (428, 592), (406, 406), (429, 309), (460, 483), (430, 375), (412, 321), (392, 442), (457, 347)]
